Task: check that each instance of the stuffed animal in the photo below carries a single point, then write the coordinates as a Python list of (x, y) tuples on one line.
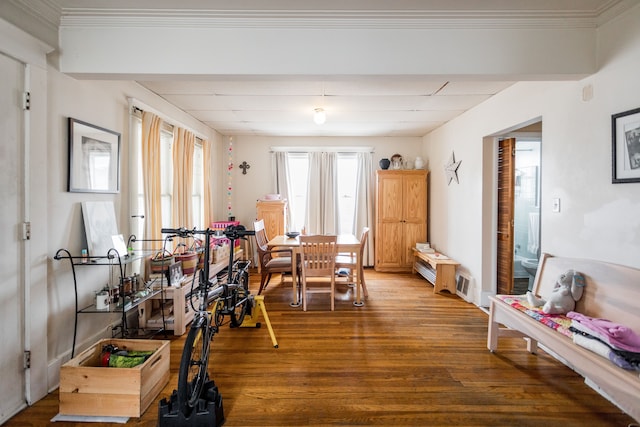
[(567, 290)]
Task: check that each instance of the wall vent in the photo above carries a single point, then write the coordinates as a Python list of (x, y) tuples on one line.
[(464, 286)]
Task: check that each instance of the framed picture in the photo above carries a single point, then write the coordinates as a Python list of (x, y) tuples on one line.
[(94, 158), (175, 274), (625, 133), (100, 225)]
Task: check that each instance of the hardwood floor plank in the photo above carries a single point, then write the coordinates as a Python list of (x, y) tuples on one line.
[(408, 357)]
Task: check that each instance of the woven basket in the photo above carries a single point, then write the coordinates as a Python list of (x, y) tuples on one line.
[(189, 261), (199, 250), (160, 262)]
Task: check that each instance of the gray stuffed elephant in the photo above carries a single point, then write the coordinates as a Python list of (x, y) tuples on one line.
[(567, 290)]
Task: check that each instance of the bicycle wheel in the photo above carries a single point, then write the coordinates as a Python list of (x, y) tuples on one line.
[(240, 301), (193, 368)]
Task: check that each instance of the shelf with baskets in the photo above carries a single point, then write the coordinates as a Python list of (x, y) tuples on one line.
[(173, 308)]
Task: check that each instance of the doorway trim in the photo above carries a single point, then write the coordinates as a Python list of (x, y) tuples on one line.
[(490, 202)]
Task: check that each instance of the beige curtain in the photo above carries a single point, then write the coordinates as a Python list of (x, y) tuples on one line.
[(206, 176), (181, 203), (364, 203), (322, 192), (151, 174)]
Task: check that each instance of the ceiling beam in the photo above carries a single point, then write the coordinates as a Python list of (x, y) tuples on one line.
[(520, 54)]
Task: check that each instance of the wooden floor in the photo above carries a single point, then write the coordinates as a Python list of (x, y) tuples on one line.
[(408, 357)]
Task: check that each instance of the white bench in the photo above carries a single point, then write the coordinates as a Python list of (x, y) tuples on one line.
[(612, 292)]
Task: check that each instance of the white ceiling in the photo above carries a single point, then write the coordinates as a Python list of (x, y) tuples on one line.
[(363, 106), (355, 105)]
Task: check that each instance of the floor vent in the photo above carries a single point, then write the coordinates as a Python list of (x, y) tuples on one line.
[(464, 286)]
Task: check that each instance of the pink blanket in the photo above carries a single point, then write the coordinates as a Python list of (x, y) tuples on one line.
[(616, 335), (558, 322)]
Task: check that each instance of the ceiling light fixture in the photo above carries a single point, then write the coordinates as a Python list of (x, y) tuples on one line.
[(319, 116)]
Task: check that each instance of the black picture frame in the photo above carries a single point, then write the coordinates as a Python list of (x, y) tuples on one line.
[(625, 143), (94, 158), (175, 274)]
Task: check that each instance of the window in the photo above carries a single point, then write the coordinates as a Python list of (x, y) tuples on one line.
[(166, 162), (298, 168), (347, 178), (347, 174), (166, 181), (197, 195)]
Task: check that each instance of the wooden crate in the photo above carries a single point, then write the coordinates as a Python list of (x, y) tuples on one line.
[(86, 388)]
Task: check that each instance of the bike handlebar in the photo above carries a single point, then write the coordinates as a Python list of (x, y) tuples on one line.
[(231, 232), (180, 232)]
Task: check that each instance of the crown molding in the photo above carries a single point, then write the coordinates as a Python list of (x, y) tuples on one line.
[(46, 12), (327, 19), (39, 18), (613, 9), (51, 14)]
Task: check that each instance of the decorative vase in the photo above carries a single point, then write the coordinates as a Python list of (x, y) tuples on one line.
[(396, 161), (419, 163), (384, 163)]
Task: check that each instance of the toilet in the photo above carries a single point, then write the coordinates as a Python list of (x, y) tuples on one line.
[(530, 265)]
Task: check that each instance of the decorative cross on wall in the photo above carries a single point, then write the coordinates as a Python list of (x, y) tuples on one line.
[(244, 166)]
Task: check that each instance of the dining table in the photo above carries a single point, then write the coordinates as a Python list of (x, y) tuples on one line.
[(346, 243)]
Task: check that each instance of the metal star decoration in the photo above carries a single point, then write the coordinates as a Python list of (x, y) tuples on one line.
[(451, 169)]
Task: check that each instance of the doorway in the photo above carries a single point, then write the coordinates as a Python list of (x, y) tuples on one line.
[(518, 210), (526, 221)]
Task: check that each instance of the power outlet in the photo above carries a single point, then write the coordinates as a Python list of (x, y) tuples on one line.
[(556, 205)]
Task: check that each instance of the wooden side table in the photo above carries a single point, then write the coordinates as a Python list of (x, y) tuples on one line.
[(437, 269)]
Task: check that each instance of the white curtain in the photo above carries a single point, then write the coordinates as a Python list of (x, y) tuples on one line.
[(364, 204), (282, 181), (322, 192)]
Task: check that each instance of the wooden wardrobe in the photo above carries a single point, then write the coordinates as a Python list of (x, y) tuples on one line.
[(401, 217), (274, 214)]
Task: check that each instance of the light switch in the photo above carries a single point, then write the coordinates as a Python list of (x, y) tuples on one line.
[(556, 205)]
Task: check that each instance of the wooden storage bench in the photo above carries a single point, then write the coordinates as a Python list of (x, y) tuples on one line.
[(439, 270), (612, 292), (88, 389)]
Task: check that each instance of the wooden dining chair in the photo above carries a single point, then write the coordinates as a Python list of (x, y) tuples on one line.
[(318, 265), (270, 260), (349, 261)]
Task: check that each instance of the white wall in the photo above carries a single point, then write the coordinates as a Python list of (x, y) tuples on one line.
[(247, 189), (598, 220), (105, 104)]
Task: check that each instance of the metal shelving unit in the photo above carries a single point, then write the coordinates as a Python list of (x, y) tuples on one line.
[(126, 302)]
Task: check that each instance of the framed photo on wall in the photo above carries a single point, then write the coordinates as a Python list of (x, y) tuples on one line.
[(94, 158), (625, 134)]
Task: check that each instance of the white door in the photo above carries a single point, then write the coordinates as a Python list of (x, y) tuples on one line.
[(12, 385)]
